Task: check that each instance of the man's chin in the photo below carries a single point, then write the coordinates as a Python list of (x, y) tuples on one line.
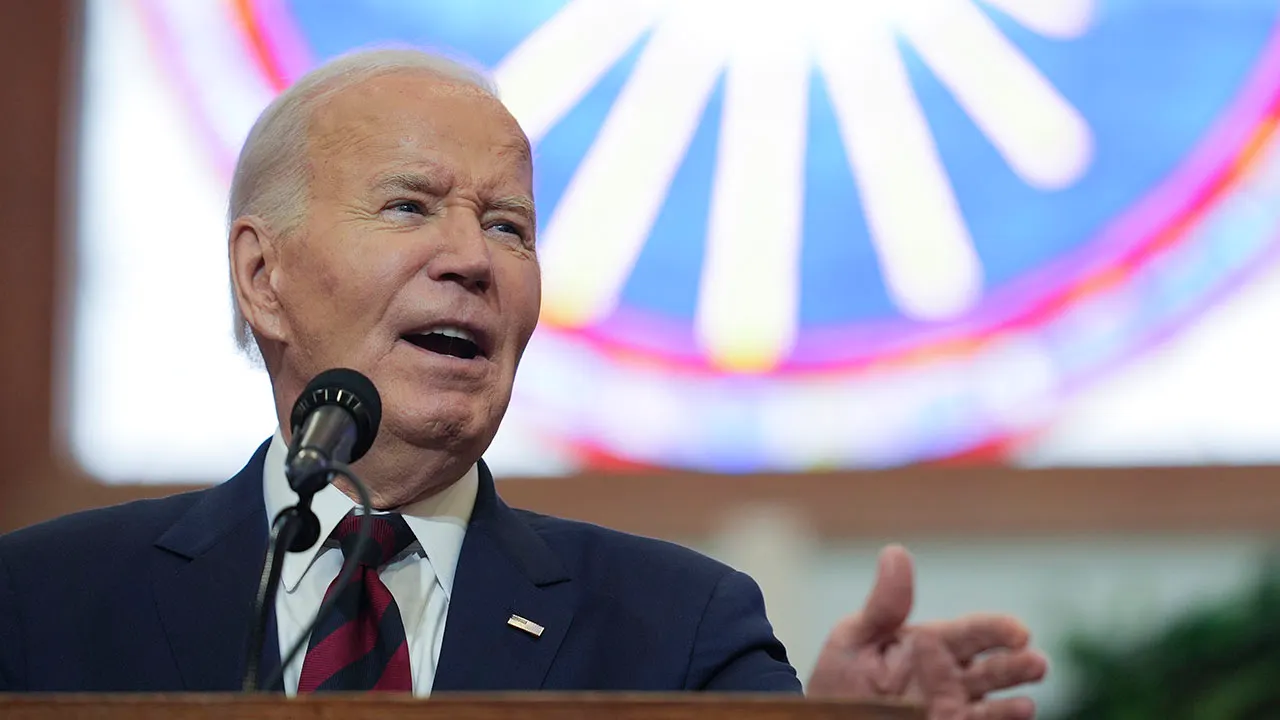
[(453, 430)]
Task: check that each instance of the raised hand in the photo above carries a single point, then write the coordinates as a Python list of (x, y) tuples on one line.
[(949, 666)]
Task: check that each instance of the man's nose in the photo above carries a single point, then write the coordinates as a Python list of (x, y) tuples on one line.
[(464, 255)]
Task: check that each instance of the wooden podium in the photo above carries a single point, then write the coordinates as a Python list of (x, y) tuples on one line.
[(524, 706)]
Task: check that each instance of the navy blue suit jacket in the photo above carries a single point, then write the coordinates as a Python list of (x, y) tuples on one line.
[(157, 595)]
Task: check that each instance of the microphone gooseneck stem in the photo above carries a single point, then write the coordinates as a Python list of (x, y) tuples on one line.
[(295, 529), (334, 422), (349, 565)]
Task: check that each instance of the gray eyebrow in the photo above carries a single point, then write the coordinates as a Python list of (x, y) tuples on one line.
[(422, 184), (408, 181), (518, 204)]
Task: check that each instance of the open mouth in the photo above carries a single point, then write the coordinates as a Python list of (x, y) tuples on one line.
[(453, 342)]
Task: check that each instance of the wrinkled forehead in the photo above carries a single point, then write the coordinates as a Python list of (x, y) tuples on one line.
[(418, 118)]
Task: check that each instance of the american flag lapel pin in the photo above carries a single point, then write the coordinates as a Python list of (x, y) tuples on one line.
[(526, 625)]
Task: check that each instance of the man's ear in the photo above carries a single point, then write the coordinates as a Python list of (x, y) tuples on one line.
[(254, 262)]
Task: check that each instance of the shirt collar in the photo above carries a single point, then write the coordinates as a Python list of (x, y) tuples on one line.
[(439, 521)]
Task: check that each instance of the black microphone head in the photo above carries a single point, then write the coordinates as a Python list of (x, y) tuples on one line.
[(349, 390)]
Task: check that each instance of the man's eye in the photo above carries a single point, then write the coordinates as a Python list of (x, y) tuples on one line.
[(408, 206), (514, 232)]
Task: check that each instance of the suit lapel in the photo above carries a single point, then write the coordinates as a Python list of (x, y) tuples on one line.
[(205, 575), (504, 569)]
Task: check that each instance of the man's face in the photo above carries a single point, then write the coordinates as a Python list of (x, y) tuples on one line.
[(420, 227)]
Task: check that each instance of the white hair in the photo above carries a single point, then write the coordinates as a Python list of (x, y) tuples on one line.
[(271, 179)]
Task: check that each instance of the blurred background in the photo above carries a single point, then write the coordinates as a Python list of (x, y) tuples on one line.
[(997, 279)]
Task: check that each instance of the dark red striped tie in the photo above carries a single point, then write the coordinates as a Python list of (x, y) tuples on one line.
[(361, 645)]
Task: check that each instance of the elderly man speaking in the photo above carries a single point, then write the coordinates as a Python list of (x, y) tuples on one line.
[(382, 219)]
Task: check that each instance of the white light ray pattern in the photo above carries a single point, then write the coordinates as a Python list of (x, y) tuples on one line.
[(749, 293)]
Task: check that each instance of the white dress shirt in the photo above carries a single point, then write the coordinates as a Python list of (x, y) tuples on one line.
[(420, 579)]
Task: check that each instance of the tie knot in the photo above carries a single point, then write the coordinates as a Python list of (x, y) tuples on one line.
[(388, 537)]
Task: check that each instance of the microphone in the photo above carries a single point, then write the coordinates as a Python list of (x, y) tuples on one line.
[(334, 420)]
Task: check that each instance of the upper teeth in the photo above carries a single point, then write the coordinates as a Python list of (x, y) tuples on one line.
[(453, 332)]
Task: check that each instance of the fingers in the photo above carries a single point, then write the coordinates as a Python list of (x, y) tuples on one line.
[(956, 694), (889, 602), (1003, 670), (1015, 708), (974, 634), (938, 675)]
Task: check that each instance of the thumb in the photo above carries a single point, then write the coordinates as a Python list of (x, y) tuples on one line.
[(889, 602)]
